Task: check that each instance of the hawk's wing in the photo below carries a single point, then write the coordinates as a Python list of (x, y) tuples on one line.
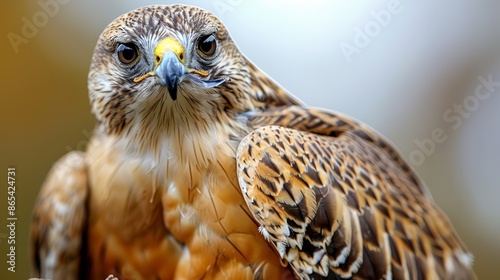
[(59, 220), (333, 196)]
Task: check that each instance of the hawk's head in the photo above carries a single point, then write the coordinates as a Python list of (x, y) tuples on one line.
[(159, 61)]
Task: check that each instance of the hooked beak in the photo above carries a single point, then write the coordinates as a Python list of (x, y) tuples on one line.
[(170, 68), (170, 72)]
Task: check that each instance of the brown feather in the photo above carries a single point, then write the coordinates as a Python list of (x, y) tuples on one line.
[(365, 191)]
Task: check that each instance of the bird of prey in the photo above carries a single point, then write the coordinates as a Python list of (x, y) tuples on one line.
[(202, 167)]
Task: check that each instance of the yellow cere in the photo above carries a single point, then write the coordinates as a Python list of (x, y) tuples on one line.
[(170, 44)]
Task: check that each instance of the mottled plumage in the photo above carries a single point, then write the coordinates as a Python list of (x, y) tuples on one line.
[(201, 166)]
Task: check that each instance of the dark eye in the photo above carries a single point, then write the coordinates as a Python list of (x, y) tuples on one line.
[(207, 45), (127, 53)]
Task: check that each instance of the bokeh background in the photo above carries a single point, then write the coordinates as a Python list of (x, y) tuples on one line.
[(422, 60)]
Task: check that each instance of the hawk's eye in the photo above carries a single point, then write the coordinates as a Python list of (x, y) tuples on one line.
[(207, 45), (127, 53)]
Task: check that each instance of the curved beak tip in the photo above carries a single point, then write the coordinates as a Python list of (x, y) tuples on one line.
[(170, 72)]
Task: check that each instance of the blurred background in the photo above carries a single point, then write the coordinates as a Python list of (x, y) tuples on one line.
[(406, 68)]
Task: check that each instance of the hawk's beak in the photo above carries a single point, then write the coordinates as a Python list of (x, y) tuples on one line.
[(170, 72), (170, 68)]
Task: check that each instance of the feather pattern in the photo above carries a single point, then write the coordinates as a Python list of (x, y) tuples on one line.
[(335, 198)]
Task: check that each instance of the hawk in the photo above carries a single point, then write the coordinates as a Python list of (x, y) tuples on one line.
[(202, 167)]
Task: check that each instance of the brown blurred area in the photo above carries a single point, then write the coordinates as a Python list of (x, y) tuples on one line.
[(44, 108)]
